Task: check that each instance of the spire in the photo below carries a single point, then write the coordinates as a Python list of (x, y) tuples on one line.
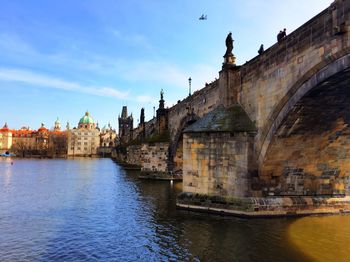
[(57, 126), (125, 112), (142, 116), (161, 101)]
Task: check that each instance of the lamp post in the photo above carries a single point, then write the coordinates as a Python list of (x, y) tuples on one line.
[(189, 86)]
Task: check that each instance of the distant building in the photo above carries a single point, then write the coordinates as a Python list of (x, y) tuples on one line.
[(84, 140), (42, 138), (108, 137), (57, 126), (5, 139), (126, 125), (23, 140), (27, 142)]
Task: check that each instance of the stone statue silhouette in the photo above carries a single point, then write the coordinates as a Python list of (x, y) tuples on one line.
[(229, 45), (142, 116), (161, 94)]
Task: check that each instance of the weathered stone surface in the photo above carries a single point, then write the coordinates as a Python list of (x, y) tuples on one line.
[(264, 207), (221, 119), (310, 153), (134, 155), (154, 156), (216, 163)]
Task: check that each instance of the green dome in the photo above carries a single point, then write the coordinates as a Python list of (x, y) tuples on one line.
[(87, 119)]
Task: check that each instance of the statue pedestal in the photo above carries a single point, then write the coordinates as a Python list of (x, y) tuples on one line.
[(229, 61)]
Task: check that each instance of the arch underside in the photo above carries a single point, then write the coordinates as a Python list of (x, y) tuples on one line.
[(176, 147), (309, 153)]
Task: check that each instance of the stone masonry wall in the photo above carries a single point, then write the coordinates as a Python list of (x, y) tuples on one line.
[(154, 157), (201, 102), (216, 164), (134, 154), (269, 80), (310, 153)]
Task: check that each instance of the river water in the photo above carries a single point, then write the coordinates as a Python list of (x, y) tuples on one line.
[(92, 210)]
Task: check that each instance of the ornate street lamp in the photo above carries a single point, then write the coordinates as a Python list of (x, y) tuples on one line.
[(189, 86)]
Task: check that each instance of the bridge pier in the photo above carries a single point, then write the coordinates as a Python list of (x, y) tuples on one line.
[(217, 153)]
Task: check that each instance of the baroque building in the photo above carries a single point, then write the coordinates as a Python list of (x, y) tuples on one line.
[(57, 126), (108, 138), (26, 141), (84, 140)]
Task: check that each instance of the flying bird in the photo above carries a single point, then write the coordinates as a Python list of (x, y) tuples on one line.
[(203, 17)]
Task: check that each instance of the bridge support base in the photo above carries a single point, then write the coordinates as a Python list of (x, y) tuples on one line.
[(264, 207)]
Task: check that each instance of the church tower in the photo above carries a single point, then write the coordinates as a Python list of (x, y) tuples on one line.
[(126, 126)]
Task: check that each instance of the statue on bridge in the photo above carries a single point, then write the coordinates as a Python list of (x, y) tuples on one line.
[(229, 44), (230, 59), (161, 94)]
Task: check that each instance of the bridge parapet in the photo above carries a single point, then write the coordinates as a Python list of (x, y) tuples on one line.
[(269, 80)]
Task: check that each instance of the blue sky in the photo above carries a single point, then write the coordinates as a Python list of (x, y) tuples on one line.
[(61, 58)]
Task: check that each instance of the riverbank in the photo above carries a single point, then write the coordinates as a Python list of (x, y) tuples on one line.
[(156, 175), (252, 207)]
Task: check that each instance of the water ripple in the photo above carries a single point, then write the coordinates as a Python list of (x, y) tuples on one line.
[(91, 210)]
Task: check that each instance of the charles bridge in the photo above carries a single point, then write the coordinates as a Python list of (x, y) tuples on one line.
[(271, 135)]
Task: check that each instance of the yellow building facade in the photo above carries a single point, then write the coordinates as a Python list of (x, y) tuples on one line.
[(85, 139)]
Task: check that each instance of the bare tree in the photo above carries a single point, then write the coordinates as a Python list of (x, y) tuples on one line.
[(57, 145), (20, 148)]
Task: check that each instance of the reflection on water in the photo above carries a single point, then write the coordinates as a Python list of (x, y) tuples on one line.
[(323, 238), (91, 210)]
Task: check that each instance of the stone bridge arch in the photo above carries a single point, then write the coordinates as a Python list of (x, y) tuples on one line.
[(305, 148), (176, 145), (307, 82)]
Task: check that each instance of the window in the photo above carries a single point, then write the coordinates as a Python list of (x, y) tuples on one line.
[(85, 143)]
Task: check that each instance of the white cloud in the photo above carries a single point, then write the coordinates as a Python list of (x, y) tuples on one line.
[(146, 99), (132, 39), (167, 74), (31, 78), (160, 72)]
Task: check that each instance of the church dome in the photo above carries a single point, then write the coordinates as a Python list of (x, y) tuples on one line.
[(42, 128), (5, 128), (87, 119)]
